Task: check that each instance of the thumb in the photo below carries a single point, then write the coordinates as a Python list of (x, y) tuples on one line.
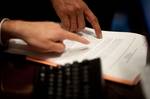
[(75, 37)]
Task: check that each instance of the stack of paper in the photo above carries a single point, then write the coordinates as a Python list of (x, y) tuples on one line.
[(123, 54)]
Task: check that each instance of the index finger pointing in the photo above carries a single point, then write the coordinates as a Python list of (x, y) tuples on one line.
[(94, 22)]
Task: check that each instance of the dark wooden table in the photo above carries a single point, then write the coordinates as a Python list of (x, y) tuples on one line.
[(17, 76)]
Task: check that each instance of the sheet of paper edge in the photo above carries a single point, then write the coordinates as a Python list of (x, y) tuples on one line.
[(105, 76), (36, 59), (122, 81)]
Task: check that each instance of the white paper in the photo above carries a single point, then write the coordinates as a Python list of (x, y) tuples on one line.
[(123, 54)]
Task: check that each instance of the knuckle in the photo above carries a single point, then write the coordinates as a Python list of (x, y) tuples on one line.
[(74, 9), (63, 9), (71, 10), (78, 8), (82, 26), (66, 25)]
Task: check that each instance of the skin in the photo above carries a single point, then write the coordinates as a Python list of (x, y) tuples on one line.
[(49, 36), (73, 14), (40, 36)]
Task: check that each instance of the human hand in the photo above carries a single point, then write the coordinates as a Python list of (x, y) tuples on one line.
[(41, 36), (73, 13)]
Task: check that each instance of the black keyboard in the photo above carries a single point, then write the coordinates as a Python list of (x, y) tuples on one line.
[(71, 81)]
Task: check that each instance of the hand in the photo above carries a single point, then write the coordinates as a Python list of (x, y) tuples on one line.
[(41, 36), (72, 14)]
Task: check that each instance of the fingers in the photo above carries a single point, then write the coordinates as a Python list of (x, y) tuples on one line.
[(81, 21), (50, 47), (57, 47), (76, 22), (73, 22), (94, 22), (65, 21), (74, 37)]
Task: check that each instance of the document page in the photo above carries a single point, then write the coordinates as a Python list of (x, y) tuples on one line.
[(119, 53)]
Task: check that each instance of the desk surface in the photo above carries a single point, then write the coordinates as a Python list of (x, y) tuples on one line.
[(113, 90)]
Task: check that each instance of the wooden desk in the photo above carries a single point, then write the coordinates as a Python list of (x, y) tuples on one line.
[(19, 75)]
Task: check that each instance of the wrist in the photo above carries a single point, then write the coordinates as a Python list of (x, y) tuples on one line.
[(10, 29), (3, 41), (5, 34)]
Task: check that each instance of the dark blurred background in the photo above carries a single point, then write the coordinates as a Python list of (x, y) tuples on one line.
[(117, 15), (122, 15)]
